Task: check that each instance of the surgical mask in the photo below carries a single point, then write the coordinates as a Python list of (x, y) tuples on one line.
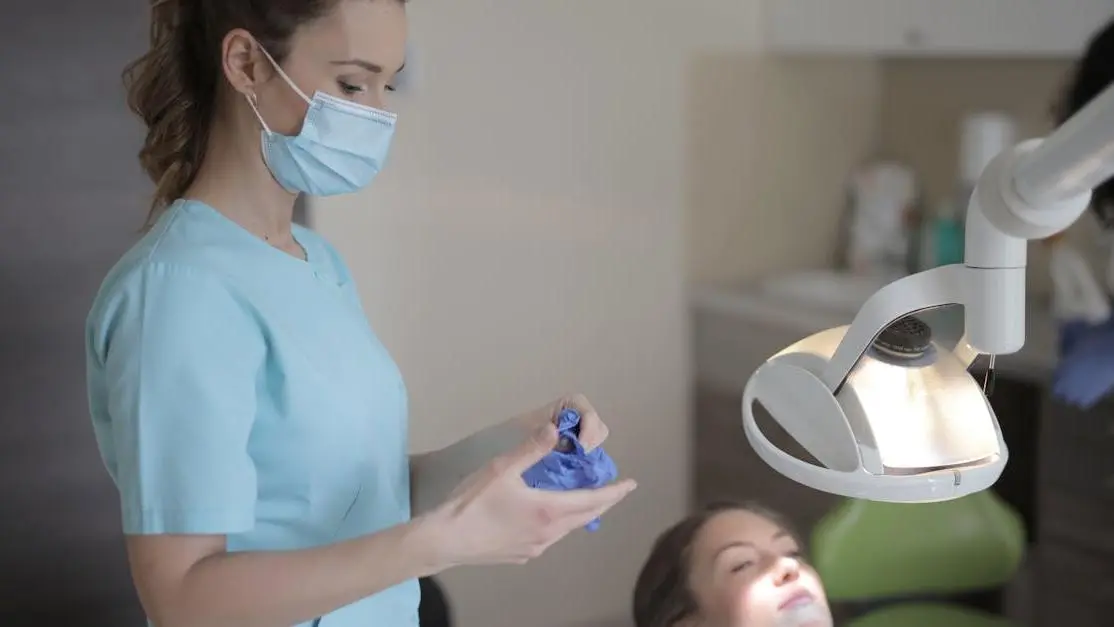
[(340, 149)]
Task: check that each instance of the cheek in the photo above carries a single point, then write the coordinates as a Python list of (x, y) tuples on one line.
[(282, 107), (812, 581), (739, 604)]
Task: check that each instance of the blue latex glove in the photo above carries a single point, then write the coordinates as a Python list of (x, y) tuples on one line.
[(1072, 332), (570, 467), (1086, 371)]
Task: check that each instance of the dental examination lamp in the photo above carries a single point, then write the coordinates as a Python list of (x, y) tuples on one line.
[(889, 413)]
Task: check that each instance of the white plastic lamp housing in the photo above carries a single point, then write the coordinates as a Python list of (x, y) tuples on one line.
[(922, 430), (914, 429), (882, 437)]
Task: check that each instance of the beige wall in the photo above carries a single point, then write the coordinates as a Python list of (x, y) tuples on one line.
[(527, 240), (924, 101), (771, 145)]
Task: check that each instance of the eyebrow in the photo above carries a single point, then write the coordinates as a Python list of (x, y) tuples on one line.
[(367, 65)]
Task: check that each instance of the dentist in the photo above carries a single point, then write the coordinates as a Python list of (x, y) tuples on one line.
[(254, 425)]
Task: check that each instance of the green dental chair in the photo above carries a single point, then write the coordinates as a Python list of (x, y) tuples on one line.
[(910, 565)]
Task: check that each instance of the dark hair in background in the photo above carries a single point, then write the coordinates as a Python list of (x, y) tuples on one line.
[(1091, 76), (662, 597), (175, 85)]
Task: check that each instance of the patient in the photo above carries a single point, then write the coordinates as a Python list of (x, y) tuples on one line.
[(729, 565)]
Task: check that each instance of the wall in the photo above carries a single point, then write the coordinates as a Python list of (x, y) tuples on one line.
[(771, 145), (924, 101), (72, 197), (527, 240)]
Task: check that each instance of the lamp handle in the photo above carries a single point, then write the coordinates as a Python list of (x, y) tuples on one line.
[(909, 295)]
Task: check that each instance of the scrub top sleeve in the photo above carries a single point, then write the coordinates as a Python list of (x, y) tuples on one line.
[(182, 360)]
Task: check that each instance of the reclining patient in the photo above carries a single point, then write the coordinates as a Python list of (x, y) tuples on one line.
[(729, 565)]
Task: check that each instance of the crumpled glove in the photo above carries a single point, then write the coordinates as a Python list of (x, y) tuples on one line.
[(569, 466), (1085, 374)]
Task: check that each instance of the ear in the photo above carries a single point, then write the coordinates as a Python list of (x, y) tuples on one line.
[(244, 64)]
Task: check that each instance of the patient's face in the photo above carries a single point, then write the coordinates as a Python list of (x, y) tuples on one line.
[(745, 572)]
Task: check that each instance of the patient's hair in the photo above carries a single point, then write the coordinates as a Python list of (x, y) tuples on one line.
[(662, 597), (1091, 76)]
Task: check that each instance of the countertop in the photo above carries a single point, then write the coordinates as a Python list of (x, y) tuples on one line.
[(714, 308)]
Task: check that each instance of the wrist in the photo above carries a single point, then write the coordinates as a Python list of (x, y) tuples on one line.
[(429, 539)]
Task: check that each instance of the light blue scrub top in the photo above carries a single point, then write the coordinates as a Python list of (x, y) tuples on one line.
[(237, 390)]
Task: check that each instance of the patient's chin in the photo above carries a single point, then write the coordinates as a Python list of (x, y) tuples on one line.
[(811, 615)]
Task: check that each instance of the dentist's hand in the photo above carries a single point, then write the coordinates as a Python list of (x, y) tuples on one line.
[(593, 431), (494, 518)]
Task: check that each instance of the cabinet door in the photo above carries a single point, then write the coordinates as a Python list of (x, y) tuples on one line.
[(1077, 477), (1010, 28), (1076, 587)]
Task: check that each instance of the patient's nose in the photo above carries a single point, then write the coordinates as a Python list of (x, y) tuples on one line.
[(786, 570)]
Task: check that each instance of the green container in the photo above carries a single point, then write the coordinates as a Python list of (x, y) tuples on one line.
[(947, 241)]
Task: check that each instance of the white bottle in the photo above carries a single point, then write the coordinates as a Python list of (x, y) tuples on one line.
[(883, 194)]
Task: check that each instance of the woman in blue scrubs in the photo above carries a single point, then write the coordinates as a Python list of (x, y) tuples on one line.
[(253, 423)]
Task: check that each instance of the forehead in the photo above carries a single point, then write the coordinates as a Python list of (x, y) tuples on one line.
[(735, 526), (372, 30)]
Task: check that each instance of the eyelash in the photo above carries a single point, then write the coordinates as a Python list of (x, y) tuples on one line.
[(350, 89), (745, 565)]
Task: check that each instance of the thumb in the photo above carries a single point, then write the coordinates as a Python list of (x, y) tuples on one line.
[(530, 452)]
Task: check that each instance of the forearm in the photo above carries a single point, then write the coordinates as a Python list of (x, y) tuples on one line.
[(278, 589), (434, 475)]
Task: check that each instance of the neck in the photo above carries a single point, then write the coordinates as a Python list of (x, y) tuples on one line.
[(235, 181)]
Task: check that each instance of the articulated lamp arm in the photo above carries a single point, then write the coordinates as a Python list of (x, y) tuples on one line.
[(1031, 191)]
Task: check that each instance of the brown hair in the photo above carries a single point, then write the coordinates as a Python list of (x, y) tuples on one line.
[(1091, 76), (662, 597), (175, 85)]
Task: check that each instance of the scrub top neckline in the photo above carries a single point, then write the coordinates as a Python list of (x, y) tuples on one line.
[(311, 260)]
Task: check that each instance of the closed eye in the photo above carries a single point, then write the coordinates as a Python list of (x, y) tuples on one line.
[(349, 89), (741, 566)]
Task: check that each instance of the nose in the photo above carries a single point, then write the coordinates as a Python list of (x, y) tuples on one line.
[(378, 101), (786, 570)]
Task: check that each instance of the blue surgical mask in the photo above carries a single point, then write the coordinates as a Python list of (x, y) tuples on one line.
[(341, 147)]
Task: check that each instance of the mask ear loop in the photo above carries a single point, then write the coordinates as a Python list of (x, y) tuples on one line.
[(253, 99), (253, 103), (284, 76)]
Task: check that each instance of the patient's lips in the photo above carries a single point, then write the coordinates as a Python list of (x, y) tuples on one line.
[(797, 599)]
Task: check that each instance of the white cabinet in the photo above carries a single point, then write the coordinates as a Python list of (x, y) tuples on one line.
[(908, 28)]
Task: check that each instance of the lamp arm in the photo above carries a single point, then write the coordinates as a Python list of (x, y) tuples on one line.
[(1031, 191), (1075, 159), (917, 292)]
